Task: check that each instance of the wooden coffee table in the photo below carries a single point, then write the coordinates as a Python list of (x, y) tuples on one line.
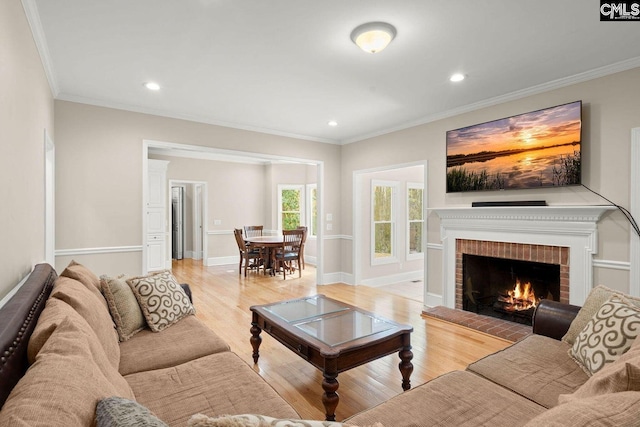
[(333, 337)]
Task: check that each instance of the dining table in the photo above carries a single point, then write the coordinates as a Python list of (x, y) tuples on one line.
[(269, 243)]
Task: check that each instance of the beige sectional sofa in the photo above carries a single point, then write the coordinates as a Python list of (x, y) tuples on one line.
[(535, 382), (61, 356), (76, 359)]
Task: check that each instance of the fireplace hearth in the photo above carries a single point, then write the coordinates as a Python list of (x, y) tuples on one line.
[(508, 289)]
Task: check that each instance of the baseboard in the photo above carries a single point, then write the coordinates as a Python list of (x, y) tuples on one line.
[(224, 260), (395, 278), (339, 277), (432, 300)]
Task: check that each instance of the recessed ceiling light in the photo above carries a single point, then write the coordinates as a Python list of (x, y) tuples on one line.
[(332, 123), (152, 86), (457, 77)]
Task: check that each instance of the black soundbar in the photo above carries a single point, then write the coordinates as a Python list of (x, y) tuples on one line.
[(510, 203)]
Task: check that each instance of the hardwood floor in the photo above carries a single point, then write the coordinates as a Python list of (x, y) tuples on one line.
[(222, 299)]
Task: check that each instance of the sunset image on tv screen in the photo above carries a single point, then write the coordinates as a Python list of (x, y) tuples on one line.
[(531, 150)]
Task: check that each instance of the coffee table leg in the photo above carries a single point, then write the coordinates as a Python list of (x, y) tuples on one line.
[(330, 385), (256, 340), (406, 367)]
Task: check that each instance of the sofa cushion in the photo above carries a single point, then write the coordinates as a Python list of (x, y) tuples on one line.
[(218, 384), (621, 375), (70, 375), (123, 306), (55, 312), (615, 409), (458, 398), (186, 340), (162, 300), (91, 308), (120, 412), (85, 276), (538, 367), (595, 299), (607, 336)]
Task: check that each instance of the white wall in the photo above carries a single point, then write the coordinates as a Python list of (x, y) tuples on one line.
[(26, 110)]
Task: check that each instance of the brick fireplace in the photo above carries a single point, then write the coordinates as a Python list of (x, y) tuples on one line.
[(557, 255), (563, 235)]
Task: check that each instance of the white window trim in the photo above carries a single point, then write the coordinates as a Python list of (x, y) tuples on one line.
[(298, 187), (394, 194), (309, 209), (420, 255)]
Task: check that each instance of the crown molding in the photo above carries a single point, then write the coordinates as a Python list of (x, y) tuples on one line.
[(534, 90), (33, 18)]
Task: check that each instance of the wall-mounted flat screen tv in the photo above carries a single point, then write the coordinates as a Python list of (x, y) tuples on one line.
[(531, 150)]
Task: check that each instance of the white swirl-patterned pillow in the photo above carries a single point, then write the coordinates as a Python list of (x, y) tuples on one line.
[(162, 300), (253, 420), (608, 335)]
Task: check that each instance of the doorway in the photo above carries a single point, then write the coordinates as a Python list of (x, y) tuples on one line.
[(188, 205), (400, 265)]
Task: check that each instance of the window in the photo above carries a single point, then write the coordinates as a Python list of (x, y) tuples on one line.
[(290, 206), (312, 209), (415, 220), (382, 222)]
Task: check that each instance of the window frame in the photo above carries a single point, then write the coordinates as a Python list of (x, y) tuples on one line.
[(416, 255), (393, 257), (301, 189), (311, 218)]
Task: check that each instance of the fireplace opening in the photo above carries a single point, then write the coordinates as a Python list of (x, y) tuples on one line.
[(506, 288)]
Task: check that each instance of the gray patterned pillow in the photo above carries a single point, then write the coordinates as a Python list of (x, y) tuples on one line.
[(120, 412), (123, 306), (162, 300), (608, 335)]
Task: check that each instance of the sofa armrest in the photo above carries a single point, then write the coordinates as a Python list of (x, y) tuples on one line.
[(187, 290), (553, 318)]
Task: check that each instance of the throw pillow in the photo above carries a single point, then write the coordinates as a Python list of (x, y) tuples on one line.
[(252, 420), (123, 306), (621, 375), (162, 300), (120, 412), (615, 409), (607, 336), (595, 299)]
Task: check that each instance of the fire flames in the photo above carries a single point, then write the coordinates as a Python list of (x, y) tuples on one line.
[(520, 298)]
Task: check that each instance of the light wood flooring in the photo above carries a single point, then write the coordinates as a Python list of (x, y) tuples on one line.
[(222, 299)]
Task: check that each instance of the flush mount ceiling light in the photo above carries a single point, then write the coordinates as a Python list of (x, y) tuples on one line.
[(152, 86), (372, 37), (457, 77), (332, 123)]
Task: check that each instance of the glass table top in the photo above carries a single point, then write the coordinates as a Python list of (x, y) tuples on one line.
[(344, 327), (307, 308)]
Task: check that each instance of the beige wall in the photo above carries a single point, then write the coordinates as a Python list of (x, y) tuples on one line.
[(99, 180), (26, 110), (611, 110)]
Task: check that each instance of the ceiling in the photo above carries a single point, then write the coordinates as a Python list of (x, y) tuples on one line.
[(288, 67)]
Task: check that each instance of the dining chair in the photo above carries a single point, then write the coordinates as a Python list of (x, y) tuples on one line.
[(289, 252), (253, 230), (248, 253), (304, 240)]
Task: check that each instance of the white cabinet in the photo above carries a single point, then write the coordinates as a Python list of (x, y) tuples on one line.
[(156, 250), (157, 215)]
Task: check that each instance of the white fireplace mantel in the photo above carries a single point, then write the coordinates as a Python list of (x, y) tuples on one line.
[(570, 226)]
